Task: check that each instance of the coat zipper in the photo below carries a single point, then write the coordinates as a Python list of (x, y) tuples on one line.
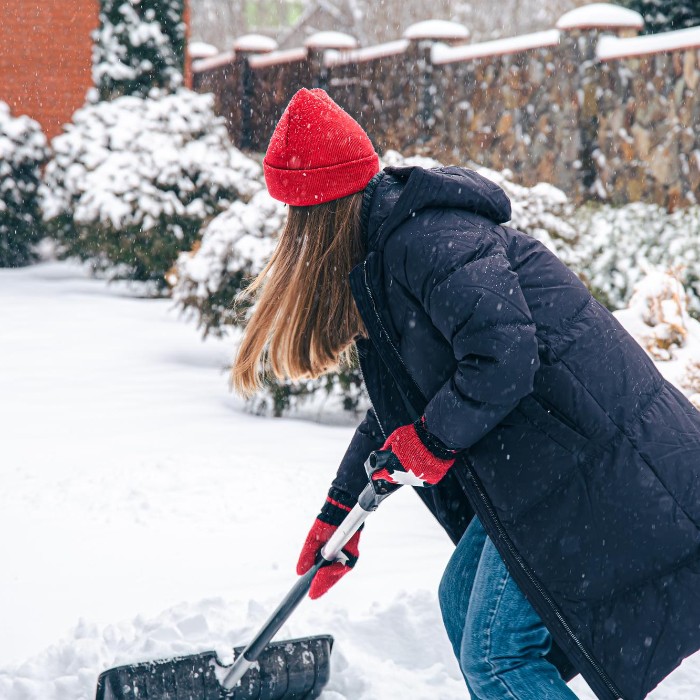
[(379, 423), (502, 533)]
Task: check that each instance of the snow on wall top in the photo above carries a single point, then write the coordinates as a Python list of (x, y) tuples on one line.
[(275, 57), (600, 15), (611, 47), (222, 59), (368, 53), (200, 49), (255, 42), (514, 44), (436, 29), (331, 40)]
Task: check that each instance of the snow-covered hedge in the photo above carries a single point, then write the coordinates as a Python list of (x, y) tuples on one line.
[(333, 393), (132, 181), (22, 152), (657, 316), (234, 248), (616, 245), (139, 45)]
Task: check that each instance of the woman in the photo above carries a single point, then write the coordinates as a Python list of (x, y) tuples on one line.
[(500, 388)]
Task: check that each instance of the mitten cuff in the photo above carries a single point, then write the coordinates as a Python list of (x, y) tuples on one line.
[(338, 504), (432, 443)]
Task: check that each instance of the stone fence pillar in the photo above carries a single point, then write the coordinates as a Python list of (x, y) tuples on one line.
[(244, 47), (317, 45), (422, 37), (581, 30)]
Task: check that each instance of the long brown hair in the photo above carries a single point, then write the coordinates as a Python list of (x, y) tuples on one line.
[(305, 318)]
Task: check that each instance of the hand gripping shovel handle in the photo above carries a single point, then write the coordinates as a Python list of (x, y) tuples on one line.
[(368, 501)]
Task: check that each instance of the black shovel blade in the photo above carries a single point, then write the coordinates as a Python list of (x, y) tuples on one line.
[(297, 669)]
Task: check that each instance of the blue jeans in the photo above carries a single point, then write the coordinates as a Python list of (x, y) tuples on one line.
[(498, 638)]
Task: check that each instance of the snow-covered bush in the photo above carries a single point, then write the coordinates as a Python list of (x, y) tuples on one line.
[(132, 181), (691, 380), (657, 317), (334, 393), (139, 45), (234, 248), (614, 247), (22, 152), (660, 304), (543, 211)]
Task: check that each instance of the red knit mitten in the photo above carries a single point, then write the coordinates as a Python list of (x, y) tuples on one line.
[(338, 504), (416, 458)]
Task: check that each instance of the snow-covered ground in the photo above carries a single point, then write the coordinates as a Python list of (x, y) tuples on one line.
[(144, 514)]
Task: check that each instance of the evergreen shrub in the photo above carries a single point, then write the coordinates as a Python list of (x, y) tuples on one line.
[(22, 153), (139, 45), (132, 181)]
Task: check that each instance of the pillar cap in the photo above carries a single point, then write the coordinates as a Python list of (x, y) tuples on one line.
[(601, 15), (255, 43), (437, 29), (331, 40)]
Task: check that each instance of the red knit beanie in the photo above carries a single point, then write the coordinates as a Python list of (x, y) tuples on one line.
[(317, 153)]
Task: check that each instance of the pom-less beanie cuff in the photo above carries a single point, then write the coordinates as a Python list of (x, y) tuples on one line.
[(303, 188)]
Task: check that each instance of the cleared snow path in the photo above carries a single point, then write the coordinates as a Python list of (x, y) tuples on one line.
[(144, 514)]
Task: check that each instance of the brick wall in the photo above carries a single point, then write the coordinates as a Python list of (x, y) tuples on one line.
[(46, 57)]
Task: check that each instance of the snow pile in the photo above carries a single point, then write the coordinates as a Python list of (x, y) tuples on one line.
[(235, 246), (132, 181), (616, 245), (139, 46), (22, 153), (360, 667)]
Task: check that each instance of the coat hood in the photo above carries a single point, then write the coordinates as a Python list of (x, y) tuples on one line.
[(397, 193)]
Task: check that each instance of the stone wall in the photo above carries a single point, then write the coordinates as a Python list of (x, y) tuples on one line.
[(588, 106), (648, 135)]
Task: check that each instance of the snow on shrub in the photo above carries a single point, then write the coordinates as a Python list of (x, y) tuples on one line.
[(615, 245), (657, 317), (660, 304), (139, 45), (543, 211), (334, 393), (132, 181), (22, 153), (234, 248)]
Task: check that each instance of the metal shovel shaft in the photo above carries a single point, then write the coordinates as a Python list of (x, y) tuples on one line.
[(367, 502)]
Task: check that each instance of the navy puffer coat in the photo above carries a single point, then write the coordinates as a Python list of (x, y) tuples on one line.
[(582, 463)]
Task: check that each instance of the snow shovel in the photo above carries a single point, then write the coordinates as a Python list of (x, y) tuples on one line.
[(297, 669)]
